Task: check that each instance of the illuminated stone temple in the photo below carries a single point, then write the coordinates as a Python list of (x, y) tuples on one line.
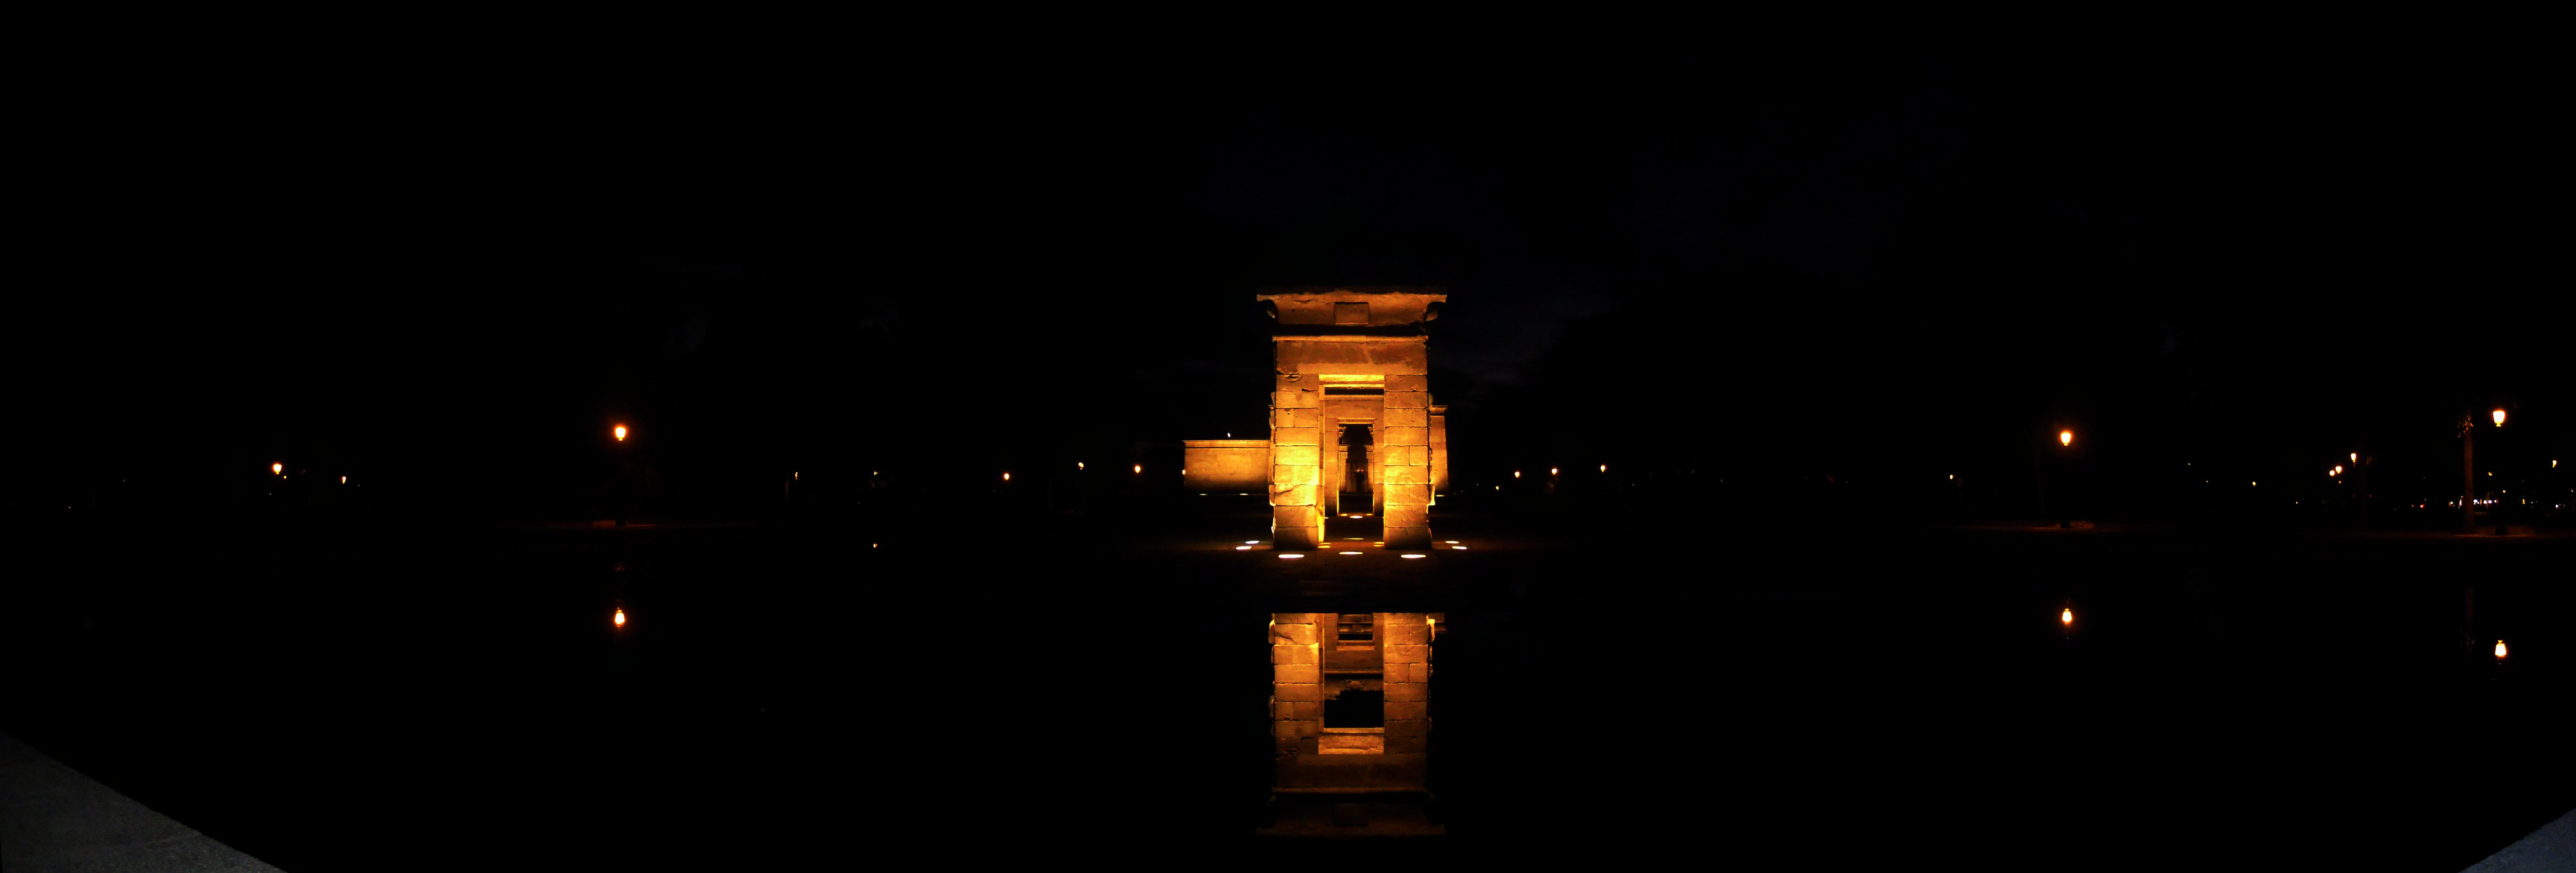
[(1354, 436)]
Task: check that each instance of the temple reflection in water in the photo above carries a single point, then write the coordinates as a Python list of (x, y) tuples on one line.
[(1350, 724)]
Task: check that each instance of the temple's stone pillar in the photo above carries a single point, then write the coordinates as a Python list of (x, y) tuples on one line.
[(1296, 684), (1296, 449), (1404, 446), (1408, 681), (1439, 452)]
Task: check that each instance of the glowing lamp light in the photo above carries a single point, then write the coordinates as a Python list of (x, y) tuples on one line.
[(1350, 553), (1140, 468), (1006, 477), (619, 432), (1413, 556), (1077, 465), (1551, 471), (1291, 556), (2355, 457), (2499, 417), (1252, 542), (1605, 468), (1516, 474), (279, 469), (619, 619), (1451, 542), (2066, 616), (1243, 548), (2499, 650), (1459, 548), (344, 480), (2065, 437)]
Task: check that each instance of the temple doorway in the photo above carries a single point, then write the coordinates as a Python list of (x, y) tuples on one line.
[(1356, 495)]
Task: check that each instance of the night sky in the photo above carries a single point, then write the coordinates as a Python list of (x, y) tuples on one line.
[(1885, 271)]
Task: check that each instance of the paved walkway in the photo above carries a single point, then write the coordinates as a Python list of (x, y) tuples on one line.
[(52, 818), (2551, 848)]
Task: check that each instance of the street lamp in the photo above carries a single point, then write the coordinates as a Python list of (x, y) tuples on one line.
[(2469, 476), (626, 484), (2065, 508), (277, 469)]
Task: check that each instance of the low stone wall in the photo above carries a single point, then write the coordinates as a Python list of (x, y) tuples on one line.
[(1226, 465)]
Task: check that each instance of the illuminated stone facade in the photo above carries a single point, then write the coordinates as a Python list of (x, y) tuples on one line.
[(1352, 429)]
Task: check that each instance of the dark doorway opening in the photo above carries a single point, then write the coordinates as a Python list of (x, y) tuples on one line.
[(1357, 496), (1356, 706)]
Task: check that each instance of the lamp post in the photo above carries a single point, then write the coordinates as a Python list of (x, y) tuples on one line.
[(2469, 474), (2499, 512), (2065, 508), (625, 487)]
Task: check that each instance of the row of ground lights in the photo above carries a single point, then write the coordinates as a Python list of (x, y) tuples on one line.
[(1248, 544), (2066, 619)]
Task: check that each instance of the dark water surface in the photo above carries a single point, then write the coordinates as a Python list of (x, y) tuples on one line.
[(333, 698)]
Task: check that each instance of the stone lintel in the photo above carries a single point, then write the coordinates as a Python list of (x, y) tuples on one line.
[(1314, 306)]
